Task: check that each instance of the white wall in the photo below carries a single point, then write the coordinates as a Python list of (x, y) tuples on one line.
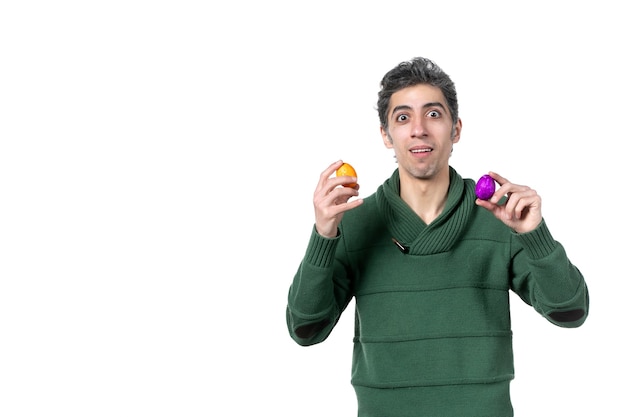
[(157, 167)]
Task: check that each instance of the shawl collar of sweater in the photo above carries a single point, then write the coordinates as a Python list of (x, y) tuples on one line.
[(410, 230)]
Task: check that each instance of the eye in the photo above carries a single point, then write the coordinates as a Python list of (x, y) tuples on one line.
[(402, 118), (434, 114)]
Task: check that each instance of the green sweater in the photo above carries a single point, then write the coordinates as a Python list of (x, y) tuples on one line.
[(432, 323)]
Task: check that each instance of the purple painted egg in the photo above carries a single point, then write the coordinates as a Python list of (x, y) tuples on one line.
[(485, 187)]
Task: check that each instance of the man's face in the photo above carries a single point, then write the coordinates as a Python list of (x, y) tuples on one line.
[(420, 131)]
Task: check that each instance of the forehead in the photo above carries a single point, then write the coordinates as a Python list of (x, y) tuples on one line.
[(417, 96)]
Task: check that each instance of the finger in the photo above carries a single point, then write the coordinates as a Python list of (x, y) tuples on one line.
[(498, 178), (341, 195), (500, 192), (334, 195), (518, 202), (332, 168), (332, 206), (507, 189), (504, 189), (325, 175), (345, 181)]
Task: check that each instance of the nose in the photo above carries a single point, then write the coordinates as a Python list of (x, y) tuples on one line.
[(418, 129)]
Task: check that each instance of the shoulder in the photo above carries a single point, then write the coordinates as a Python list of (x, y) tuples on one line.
[(362, 220), (366, 210)]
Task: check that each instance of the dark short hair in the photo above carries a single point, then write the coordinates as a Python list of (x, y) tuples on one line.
[(409, 73)]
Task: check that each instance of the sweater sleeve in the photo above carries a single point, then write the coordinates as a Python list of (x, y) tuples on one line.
[(319, 292), (544, 277)]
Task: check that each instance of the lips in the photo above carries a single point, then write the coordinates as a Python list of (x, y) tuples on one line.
[(421, 149)]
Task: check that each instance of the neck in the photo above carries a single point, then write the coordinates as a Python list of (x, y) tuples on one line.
[(427, 197)]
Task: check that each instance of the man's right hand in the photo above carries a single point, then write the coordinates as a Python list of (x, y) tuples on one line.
[(331, 200)]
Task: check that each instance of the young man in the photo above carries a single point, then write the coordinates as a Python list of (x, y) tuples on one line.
[(430, 266)]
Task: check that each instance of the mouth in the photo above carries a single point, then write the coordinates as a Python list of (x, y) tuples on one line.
[(421, 150)]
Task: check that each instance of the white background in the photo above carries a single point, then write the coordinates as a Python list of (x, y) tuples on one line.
[(157, 166)]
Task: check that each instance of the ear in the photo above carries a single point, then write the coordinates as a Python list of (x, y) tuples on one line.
[(457, 131), (386, 138)]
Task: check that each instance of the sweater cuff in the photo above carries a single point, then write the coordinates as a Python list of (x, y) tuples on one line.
[(538, 243), (321, 250)]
